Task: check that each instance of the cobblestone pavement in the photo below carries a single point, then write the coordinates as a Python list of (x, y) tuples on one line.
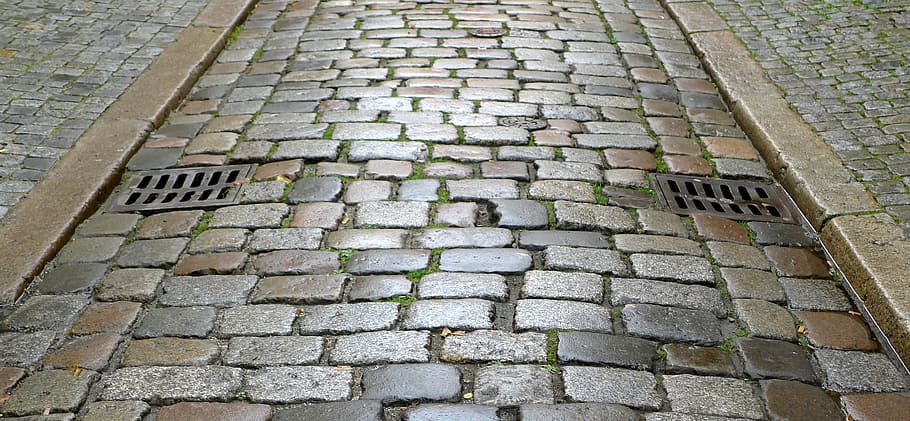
[(61, 65), (843, 66), (400, 255)]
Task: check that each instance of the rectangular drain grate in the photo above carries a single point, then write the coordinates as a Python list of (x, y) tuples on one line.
[(181, 188), (733, 199)]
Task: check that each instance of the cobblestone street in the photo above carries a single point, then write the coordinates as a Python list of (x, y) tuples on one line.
[(403, 252)]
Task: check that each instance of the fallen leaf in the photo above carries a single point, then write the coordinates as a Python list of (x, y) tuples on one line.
[(343, 367), (345, 220), (47, 411), (457, 333), (855, 313), (77, 371), (283, 179), (445, 332), (468, 395), (300, 312), (802, 329)]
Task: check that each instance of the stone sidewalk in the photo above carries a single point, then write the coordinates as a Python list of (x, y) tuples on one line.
[(61, 66), (399, 253)]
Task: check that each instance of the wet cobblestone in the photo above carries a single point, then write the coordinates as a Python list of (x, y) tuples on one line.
[(404, 255)]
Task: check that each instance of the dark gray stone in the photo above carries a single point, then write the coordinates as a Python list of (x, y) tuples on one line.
[(152, 253), (765, 358), (646, 291), (685, 269), (176, 321), (671, 324), (46, 312), (154, 158), (771, 233), (528, 214), (598, 348), (71, 278), (402, 383), (315, 189), (539, 240), (359, 410)]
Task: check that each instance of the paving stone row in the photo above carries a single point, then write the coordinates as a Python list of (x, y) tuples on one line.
[(399, 254), (840, 66), (61, 66)]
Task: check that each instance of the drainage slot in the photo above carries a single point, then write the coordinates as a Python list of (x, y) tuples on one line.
[(181, 188), (734, 199)]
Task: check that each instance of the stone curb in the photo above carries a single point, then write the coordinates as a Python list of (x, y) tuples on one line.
[(867, 245), (38, 226)]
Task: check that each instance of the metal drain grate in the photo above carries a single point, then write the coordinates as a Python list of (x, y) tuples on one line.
[(181, 188), (740, 200), (524, 123)]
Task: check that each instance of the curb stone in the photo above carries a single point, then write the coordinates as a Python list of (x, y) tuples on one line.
[(864, 242)]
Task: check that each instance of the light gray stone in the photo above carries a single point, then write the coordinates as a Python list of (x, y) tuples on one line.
[(294, 384), (586, 216), (212, 290), (469, 313), (370, 348), (612, 385), (256, 320), (495, 345), (646, 291), (463, 285), (712, 396), (511, 385), (159, 385), (685, 269), (543, 315), (855, 371), (578, 286), (347, 318), (585, 259)]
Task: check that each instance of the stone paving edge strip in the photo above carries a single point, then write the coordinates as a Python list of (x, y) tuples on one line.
[(866, 244), (36, 228)]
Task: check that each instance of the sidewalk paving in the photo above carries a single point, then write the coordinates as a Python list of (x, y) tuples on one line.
[(61, 66), (400, 254)]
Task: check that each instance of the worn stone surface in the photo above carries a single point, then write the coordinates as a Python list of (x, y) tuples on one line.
[(162, 384), (58, 390), (765, 358), (875, 406), (412, 382), (463, 285), (854, 371), (294, 384), (494, 345), (170, 351), (212, 410), (512, 385), (370, 348), (671, 323), (597, 348), (274, 350), (430, 412), (711, 361), (632, 388), (24, 349), (366, 410), (543, 315), (347, 318), (814, 402), (576, 412), (712, 396)]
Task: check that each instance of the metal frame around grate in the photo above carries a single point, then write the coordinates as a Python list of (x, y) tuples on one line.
[(181, 188), (733, 199)]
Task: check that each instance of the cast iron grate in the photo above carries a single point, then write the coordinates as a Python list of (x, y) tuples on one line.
[(733, 199), (182, 188)]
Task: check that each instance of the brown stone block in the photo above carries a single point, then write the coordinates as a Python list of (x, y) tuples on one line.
[(201, 159), (208, 411), (690, 165), (289, 169), (91, 352), (629, 158), (727, 147), (876, 406), (9, 376), (169, 224), (837, 330), (170, 351), (789, 400), (718, 228), (113, 317), (796, 262), (211, 264)]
